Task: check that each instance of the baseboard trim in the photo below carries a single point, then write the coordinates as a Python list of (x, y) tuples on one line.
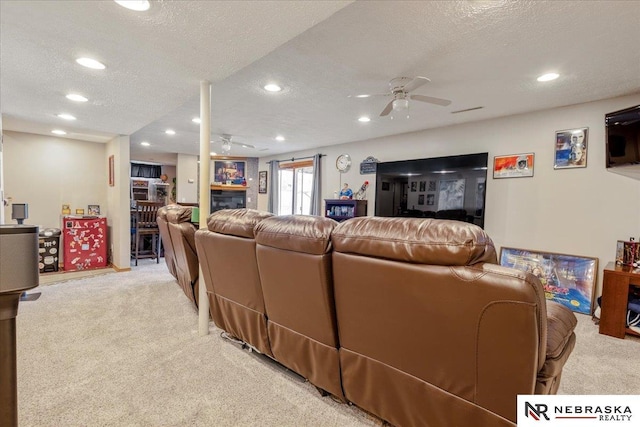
[(120, 270)]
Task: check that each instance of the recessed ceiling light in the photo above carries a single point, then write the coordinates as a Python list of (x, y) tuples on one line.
[(91, 63), (76, 97), (272, 87), (213, 153), (66, 116), (137, 5), (364, 119), (146, 144), (280, 138), (363, 96), (548, 77), (244, 146), (58, 132), (196, 120), (170, 132)]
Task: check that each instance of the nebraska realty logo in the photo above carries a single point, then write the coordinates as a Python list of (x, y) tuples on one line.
[(582, 411)]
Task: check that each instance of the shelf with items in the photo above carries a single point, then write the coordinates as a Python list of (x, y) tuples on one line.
[(616, 286), (343, 209)]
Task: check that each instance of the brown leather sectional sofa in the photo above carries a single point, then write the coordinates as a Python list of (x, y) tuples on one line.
[(178, 239), (410, 319)]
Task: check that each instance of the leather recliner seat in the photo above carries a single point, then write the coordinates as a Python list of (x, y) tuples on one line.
[(182, 235), (169, 256), (294, 261), (227, 253), (433, 332)]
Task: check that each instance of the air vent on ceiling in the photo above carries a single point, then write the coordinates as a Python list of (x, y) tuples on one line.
[(468, 109)]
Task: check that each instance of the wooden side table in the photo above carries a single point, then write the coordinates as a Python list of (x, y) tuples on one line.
[(615, 298)]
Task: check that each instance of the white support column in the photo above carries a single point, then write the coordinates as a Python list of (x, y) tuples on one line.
[(205, 195)]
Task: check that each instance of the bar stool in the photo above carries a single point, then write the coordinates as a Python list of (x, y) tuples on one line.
[(146, 224)]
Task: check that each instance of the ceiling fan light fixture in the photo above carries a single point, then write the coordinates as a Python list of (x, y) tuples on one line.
[(226, 146), (400, 104)]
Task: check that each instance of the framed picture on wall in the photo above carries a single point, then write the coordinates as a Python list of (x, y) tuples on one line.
[(431, 199), (112, 181), (432, 186), (421, 199), (414, 186), (513, 166), (262, 182), (93, 210), (567, 279), (423, 185), (230, 172), (571, 148)]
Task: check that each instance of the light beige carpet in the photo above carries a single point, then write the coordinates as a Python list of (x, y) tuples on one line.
[(122, 349)]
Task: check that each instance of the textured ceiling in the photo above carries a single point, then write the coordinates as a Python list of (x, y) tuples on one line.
[(476, 53)]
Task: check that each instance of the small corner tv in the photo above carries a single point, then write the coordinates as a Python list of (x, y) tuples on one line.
[(451, 187), (623, 137)]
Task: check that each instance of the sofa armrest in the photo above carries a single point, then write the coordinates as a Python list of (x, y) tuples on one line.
[(560, 325), (560, 342)]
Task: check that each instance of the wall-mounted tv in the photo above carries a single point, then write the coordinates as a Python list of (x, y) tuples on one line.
[(623, 137), (451, 187)]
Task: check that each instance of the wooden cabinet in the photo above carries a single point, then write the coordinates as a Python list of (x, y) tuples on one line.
[(340, 210), (615, 298)]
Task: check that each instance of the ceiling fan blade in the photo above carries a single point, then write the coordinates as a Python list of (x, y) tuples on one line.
[(415, 83), (242, 144), (431, 100), (368, 95), (387, 109)]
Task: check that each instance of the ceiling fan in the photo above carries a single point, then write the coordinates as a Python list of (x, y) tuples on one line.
[(227, 140), (400, 88)]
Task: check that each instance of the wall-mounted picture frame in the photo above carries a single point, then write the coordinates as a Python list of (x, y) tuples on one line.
[(567, 279), (421, 199), (262, 182), (93, 210), (66, 210), (423, 185), (432, 186), (79, 211), (414, 186), (431, 199), (229, 172), (513, 166), (571, 148), (112, 180)]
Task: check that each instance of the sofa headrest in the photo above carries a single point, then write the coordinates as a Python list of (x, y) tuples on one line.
[(236, 222), (299, 233), (179, 214), (415, 240), (162, 212)]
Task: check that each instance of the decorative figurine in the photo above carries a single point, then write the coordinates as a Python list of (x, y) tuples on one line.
[(346, 192)]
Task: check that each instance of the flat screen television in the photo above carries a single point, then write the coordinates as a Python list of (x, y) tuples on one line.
[(623, 137), (451, 187)]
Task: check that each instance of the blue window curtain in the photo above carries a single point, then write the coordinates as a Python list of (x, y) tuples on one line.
[(274, 187), (316, 190)]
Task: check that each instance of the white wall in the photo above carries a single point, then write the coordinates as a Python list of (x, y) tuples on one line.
[(574, 211), (47, 172), (187, 179)]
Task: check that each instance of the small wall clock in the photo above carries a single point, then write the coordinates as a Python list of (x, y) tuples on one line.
[(343, 163)]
